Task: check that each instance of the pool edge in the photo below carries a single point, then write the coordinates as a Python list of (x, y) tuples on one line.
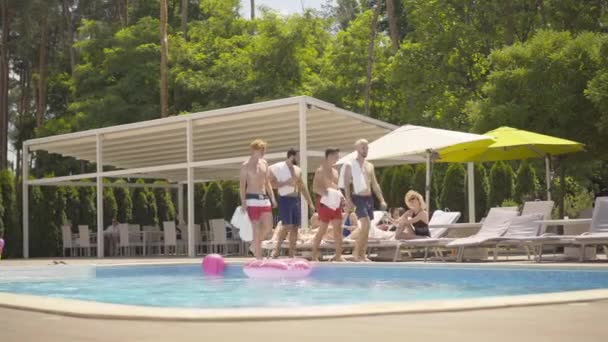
[(97, 310)]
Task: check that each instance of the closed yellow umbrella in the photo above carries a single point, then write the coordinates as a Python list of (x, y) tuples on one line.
[(511, 144)]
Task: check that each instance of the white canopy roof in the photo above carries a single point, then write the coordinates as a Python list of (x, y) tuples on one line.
[(158, 148), (411, 144)]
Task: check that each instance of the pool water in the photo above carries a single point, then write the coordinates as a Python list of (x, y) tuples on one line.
[(184, 285)]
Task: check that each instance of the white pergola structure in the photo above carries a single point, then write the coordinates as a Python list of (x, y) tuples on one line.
[(204, 146)]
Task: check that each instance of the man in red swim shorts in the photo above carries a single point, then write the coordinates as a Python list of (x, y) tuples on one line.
[(326, 178), (256, 194)]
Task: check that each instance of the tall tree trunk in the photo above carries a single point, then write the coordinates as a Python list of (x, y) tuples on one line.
[(392, 24), (540, 4), (252, 2), (164, 106), (4, 77), (69, 35), (510, 22), (122, 10), (370, 57), (42, 72), (185, 18)]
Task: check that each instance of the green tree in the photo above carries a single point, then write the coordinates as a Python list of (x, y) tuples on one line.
[(420, 178), (482, 189), (516, 94), (164, 203), (72, 205), (385, 180), (110, 207), (526, 183), (88, 207), (230, 198), (199, 195), (212, 202), (10, 216), (501, 178), (453, 194), (145, 211), (124, 202), (400, 184)]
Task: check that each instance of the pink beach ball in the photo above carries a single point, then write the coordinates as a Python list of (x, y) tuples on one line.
[(213, 264)]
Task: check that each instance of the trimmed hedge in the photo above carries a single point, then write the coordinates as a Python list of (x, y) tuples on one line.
[(501, 179)]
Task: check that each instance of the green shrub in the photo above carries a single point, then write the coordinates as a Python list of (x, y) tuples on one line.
[(72, 205), (509, 203), (213, 206), (501, 183), (420, 178), (88, 207), (230, 198), (11, 216), (164, 203), (124, 203), (481, 191), (526, 183), (401, 183), (110, 206), (1, 213), (453, 192), (199, 196), (145, 211)]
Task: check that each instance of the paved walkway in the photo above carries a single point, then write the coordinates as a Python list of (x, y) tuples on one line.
[(573, 322)]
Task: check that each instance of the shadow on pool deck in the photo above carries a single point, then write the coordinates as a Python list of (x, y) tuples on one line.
[(569, 322)]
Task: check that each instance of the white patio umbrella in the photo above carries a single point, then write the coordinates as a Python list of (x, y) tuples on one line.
[(411, 144)]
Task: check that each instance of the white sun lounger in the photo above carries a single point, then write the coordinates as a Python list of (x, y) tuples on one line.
[(438, 218), (596, 236)]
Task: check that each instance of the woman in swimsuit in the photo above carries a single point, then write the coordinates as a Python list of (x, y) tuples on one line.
[(414, 223)]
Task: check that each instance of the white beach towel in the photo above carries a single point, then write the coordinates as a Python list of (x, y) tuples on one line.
[(282, 173), (240, 220), (359, 183), (341, 177), (332, 199)]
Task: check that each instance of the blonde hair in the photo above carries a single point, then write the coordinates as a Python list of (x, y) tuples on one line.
[(361, 142), (258, 144), (414, 194)]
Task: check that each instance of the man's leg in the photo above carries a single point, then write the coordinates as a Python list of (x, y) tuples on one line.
[(258, 236), (337, 225), (362, 239), (293, 239), (317, 240), (280, 238)]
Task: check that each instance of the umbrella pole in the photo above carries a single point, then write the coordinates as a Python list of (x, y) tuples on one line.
[(471, 190), (548, 175), (427, 188)]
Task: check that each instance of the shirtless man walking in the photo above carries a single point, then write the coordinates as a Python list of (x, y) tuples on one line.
[(290, 202), (256, 194), (363, 200), (326, 178)]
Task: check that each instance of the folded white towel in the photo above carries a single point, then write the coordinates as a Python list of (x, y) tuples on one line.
[(341, 177), (332, 199), (359, 183), (282, 173)]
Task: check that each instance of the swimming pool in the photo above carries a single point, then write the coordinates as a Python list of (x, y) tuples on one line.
[(183, 285)]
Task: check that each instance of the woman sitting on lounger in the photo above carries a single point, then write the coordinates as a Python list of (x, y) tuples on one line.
[(414, 223)]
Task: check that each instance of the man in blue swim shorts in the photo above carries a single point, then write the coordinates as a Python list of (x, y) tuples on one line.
[(287, 178), (359, 182)]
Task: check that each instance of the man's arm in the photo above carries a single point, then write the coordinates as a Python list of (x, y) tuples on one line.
[(376, 188), (318, 185), (243, 186), (304, 190), (347, 182), (269, 190)]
